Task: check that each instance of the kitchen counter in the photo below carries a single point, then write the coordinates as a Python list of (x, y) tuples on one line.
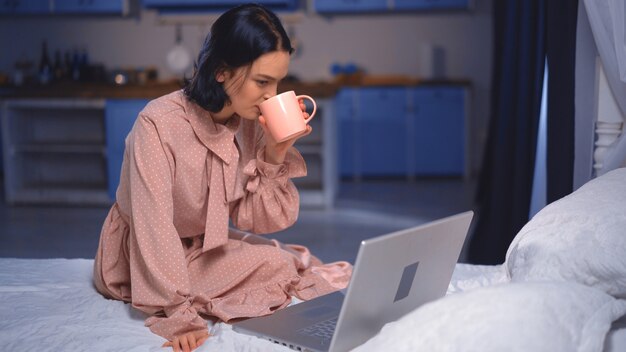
[(66, 140), (77, 151), (154, 90), (144, 91)]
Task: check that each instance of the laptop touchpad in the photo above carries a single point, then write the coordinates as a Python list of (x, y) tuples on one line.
[(317, 311)]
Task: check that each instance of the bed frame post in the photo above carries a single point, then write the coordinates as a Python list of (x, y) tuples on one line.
[(609, 125)]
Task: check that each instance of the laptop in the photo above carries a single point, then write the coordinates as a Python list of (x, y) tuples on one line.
[(393, 275)]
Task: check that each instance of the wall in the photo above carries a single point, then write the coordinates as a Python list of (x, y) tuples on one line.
[(381, 43)]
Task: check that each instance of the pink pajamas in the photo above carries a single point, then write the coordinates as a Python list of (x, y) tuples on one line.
[(165, 244)]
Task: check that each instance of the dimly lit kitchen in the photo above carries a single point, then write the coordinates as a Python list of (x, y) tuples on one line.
[(402, 93), (402, 96), (313, 175)]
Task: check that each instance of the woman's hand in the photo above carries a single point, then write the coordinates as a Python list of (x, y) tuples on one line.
[(275, 152), (188, 342)]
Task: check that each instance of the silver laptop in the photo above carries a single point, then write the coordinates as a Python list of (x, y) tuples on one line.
[(393, 275)]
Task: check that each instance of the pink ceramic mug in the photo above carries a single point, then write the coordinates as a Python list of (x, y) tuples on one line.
[(283, 115)]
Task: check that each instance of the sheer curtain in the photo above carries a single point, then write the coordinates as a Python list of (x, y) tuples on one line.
[(606, 18)]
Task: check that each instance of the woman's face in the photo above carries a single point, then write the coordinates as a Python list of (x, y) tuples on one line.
[(247, 87)]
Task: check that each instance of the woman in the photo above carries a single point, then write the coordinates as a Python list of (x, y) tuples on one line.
[(195, 159)]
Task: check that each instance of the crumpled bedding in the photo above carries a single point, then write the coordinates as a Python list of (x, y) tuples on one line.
[(539, 316), (567, 288), (51, 305)]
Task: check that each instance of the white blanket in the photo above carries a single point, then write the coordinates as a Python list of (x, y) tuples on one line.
[(522, 316), (51, 305), (568, 286)]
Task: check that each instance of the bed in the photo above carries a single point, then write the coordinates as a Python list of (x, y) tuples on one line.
[(50, 304), (562, 288)]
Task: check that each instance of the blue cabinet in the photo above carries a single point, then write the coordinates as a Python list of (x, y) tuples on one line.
[(62, 7), (92, 7), (25, 7), (383, 134), (356, 6), (213, 5), (149, 3), (438, 130), (372, 131), (351, 5), (346, 105), (120, 116), (70, 151), (402, 131), (431, 4)]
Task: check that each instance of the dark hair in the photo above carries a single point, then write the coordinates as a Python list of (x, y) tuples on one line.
[(238, 37)]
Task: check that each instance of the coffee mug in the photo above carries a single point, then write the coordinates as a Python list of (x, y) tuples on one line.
[(283, 115)]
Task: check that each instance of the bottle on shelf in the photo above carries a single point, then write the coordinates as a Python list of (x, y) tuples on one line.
[(83, 65), (45, 66), (76, 66), (23, 70), (67, 65), (58, 69)]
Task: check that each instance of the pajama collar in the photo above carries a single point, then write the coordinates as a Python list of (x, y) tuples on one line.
[(221, 167)]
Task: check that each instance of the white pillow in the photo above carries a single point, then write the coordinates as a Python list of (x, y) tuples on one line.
[(538, 316), (580, 238)]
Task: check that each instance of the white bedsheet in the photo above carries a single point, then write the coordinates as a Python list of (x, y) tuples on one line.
[(51, 305)]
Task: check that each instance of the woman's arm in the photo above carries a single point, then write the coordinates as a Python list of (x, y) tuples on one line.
[(160, 282), (271, 202)]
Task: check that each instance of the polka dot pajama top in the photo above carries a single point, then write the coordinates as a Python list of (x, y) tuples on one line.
[(166, 245)]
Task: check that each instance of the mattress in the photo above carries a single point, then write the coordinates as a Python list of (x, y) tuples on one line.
[(51, 305)]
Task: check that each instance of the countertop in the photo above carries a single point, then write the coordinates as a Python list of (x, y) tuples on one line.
[(153, 90), (136, 91)]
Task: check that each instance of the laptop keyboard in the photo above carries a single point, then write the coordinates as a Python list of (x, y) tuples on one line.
[(323, 329)]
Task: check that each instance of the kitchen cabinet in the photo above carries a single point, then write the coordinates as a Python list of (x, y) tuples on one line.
[(346, 6), (65, 150), (357, 6), (348, 132), (24, 7), (120, 116), (54, 151), (213, 5), (400, 5), (317, 189), (70, 151), (375, 132), (436, 119), (121, 7), (63, 7), (402, 131)]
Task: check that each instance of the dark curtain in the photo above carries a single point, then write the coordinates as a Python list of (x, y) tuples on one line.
[(561, 53), (526, 33), (505, 184)]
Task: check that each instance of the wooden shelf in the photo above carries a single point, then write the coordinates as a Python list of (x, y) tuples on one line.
[(70, 150), (54, 151)]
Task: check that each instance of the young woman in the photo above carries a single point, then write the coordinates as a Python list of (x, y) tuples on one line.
[(194, 160)]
